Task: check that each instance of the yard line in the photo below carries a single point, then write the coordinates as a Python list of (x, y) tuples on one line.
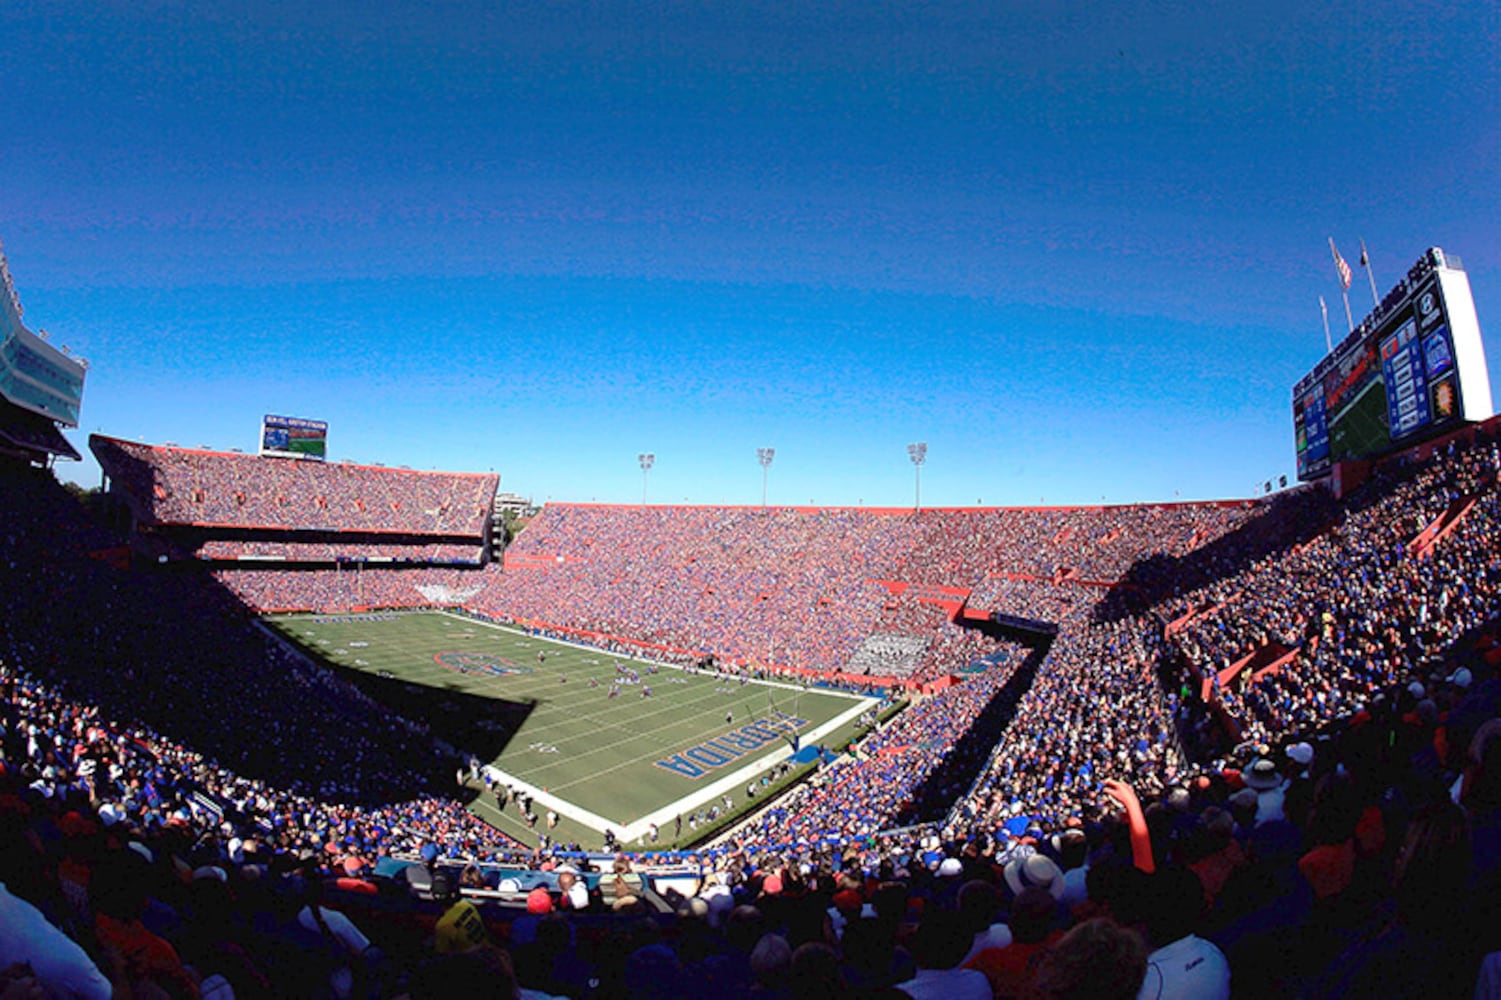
[(621, 733)]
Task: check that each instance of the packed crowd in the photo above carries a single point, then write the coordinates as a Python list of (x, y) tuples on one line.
[(804, 588), (1097, 543), (939, 645), (337, 551), (354, 586), (861, 797), (168, 485), (1364, 862), (180, 657), (1094, 711), (1358, 604), (1355, 851), (1031, 598), (1365, 610), (887, 654)]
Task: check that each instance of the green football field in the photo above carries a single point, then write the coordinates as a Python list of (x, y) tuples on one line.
[(1361, 428), (542, 714)]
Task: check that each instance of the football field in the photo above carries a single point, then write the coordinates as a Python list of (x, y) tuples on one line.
[(575, 727)]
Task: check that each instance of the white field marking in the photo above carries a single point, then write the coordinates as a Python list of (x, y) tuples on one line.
[(626, 832), (739, 778), (712, 792), (784, 685), (630, 712), (632, 722)]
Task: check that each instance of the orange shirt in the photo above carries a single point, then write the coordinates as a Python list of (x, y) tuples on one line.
[(1012, 969), (146, 955), (1329, 868)]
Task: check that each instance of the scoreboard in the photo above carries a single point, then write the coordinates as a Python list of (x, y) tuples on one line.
[(1414, 368), (294, 437)]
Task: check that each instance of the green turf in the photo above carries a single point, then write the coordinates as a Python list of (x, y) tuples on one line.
[(591, 758), (1361, 429)]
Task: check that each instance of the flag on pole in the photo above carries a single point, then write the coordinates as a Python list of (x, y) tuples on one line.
[(1345, 274), (1365, 262)]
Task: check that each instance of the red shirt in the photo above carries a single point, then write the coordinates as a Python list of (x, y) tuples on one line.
[(1012, 969), (146, 955)]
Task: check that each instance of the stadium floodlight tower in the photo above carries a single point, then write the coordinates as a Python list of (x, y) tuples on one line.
[(764, 456), (918, 452), (647, 460)]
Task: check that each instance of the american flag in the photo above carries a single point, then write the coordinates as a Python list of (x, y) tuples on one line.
[(1340, 266)]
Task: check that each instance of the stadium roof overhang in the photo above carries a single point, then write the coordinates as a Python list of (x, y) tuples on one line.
[(32, 434)]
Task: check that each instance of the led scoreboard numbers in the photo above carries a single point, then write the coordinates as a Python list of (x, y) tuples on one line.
[(1313, 434), (1414, 368)]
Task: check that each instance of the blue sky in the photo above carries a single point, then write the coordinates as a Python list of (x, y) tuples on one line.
[(1076, 249)]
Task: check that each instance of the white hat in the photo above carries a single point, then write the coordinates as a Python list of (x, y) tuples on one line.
[(1461, 678), (950, 867), (1302, 753), (216, 987), (1035, 872), (1262, 775)]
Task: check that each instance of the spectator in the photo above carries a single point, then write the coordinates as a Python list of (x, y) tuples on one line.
[(1181, 963), (1097, 960), (938, 946)]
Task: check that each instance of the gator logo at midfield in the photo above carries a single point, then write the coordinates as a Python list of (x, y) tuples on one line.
[(480, 663)]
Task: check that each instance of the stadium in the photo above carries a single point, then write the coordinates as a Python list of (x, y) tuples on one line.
[(250, 698)]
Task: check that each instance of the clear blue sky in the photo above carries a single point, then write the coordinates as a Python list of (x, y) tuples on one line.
[(1076, 248)]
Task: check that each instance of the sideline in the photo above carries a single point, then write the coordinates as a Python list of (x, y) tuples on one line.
[(664, 815)]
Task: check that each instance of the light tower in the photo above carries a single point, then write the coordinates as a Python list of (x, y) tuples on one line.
[(647, 460), (918, 452), (764, 456)]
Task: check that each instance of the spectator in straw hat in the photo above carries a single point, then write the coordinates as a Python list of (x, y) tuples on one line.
[(1035, 872), (1270, 788)]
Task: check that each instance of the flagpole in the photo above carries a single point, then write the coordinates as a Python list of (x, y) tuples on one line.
[(1348, 318), (1328, 344), (1365, 262)]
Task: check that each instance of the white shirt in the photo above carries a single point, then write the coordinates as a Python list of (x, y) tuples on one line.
[(1269, 805), (342, 928), (1075, 887), (1188, 969), (838, 920), (56, 959), (994, 936), (947, 984), (1488, 984)]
